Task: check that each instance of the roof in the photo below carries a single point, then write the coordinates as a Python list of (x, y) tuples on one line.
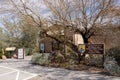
[(10, 49)]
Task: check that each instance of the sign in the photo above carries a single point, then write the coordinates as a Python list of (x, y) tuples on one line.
[(42, 46), (81, 48), (21, 53), (95, 48), (91, 48)]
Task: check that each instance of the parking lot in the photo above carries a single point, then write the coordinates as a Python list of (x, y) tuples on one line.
[(11, 69), (22, 69), (14, 74)]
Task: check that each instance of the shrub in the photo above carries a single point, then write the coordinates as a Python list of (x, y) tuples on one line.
[(29, 51), (40, 59), (7, 54), (60, 58), (56, 57), (52, 56), (0, 53), (114, 52), (112, 61), (111, 66), (94, 60)]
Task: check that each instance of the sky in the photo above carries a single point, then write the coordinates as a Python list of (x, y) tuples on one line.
[(34, 3), (37, 6)]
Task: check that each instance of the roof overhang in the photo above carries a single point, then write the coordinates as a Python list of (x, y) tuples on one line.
[(10, 49)]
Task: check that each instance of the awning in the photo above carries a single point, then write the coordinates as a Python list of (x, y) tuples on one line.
[(10, 49)]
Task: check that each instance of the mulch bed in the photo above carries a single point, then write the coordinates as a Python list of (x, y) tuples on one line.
[(81, 67)]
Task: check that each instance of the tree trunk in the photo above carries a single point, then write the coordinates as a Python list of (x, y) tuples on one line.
[(85, 39)]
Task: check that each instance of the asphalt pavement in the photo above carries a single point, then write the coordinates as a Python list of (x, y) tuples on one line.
[(22, 69)]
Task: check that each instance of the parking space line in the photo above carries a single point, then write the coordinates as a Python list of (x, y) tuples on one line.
[(18, 73), (17, 77), (9, 68), (28, 73), (18, 70), (7, 73), (30, 77)]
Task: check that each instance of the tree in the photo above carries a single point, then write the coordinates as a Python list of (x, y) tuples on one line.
[(81, 16), (2, 38), (11, 31), (20, 33), (84, 16), (29, 32)]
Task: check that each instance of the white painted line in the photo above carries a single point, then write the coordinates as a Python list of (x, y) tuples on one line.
[(28, 73), (9, 68), (17, 77), (18, 73), (7, 73), (18, 70), (30, 77)]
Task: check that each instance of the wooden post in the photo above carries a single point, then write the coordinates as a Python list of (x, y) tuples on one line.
[(3, 56), (3, 51)]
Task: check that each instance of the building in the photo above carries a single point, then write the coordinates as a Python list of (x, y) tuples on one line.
[(48, 44), (10, 51)]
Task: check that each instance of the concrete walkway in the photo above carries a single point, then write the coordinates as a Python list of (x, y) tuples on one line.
[(35, 72)]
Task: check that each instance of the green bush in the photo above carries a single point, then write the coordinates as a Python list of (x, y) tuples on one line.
[(29, 51), (59, 58), (73, 56), (56, 57), (0, 53), (94, 60), (114, 52), (111, 66), (40, 59), (7, 54)]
